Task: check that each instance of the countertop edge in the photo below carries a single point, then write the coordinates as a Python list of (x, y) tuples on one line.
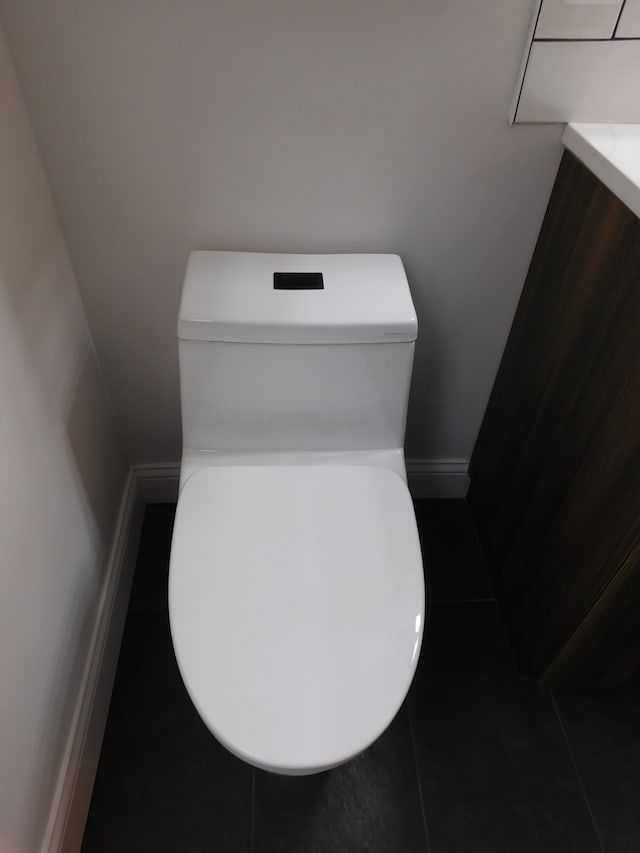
[(612, 153)]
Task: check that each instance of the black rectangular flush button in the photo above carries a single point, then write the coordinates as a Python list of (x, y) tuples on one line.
[(298, 281)]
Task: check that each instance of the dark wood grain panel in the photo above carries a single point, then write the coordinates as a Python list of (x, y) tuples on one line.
[(528, 362), (590, 659), (555, 474)]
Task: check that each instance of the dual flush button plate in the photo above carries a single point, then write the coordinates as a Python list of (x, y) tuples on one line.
[(298, 281)]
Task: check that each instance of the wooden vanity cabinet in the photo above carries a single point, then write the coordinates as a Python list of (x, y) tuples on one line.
[(555, 472)]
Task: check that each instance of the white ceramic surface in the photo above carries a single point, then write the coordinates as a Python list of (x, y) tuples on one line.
[(230, 296), (195, 460), (296, 598), (612, 153), (300, 397), (260, 369)]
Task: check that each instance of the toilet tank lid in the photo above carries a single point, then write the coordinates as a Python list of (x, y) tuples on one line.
[(230, 296)]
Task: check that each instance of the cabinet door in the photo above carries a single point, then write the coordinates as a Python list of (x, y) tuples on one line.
[(555, 474), (605, 649)]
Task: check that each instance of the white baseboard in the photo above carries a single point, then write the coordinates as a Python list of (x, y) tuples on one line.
[(80, 761), (159, 482), (438, 478)]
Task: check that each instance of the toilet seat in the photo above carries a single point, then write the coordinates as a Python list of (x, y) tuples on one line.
[(296, 601)]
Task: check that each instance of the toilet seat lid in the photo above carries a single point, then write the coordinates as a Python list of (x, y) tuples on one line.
[(296, 600)]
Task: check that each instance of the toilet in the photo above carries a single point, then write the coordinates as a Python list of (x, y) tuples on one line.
[(296, 586)]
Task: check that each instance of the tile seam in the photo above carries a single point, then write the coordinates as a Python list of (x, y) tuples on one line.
[(414, 754), (577, 772)]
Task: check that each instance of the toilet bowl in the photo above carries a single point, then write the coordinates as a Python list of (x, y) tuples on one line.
[(296, 588), (296, 600)]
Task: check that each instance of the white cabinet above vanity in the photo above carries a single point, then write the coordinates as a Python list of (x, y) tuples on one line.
[(572, 19), (581, 63), (629, 23)]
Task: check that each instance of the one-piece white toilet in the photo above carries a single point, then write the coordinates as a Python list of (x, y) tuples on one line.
[(296, 589)]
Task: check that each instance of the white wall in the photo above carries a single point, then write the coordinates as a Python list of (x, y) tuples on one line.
[(281, 125), (61, 477)]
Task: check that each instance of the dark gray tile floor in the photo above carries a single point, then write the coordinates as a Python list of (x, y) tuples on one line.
[(478, 759)]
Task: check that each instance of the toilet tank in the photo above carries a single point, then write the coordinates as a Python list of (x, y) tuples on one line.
[(295, 352)]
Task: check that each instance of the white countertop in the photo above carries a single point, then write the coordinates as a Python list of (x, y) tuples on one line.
[(612, 153)]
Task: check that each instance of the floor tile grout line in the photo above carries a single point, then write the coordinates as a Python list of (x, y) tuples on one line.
[(419, 784), (577, 772), (252, 811)]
